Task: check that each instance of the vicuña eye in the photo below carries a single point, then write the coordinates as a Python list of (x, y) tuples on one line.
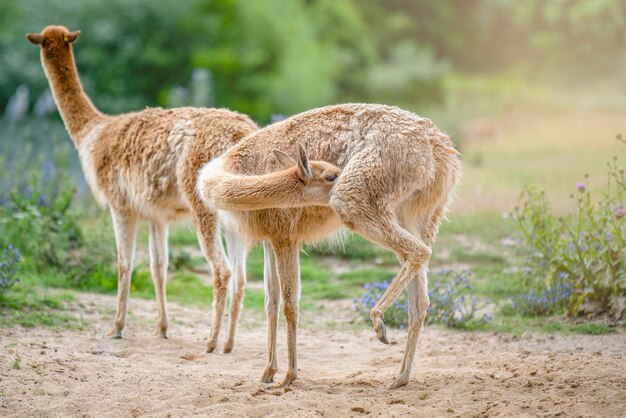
[(331, 178)]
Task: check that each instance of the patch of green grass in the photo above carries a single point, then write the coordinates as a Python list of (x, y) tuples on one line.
[(189, 289), (311, 270), (512, 323), (362, 276), (476, 257), (30, 306), (586, 328), (317, 291), (183, 235), (489, 227), (17, 363), (496, 285), (354, 247), (254, 264)]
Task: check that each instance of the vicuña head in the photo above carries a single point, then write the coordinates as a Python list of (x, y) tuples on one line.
[(57, 59), (301, 183), (54, 38), (313, 179)]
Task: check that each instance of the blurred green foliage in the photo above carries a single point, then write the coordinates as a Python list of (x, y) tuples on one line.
[(272, 56), (265, 57)]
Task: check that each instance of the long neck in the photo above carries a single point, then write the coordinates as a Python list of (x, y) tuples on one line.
[(274, 190), (75, 107)]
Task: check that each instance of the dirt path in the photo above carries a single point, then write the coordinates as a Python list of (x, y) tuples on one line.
[(342, 373)]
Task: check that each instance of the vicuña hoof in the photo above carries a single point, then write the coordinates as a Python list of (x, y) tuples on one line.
[(210, 346), (160, 333), (381, 331), (268, 375), (287, 380), (228, 347), (399, 382), (115, 334)]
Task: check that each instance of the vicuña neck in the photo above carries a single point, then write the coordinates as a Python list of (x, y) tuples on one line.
[(75, 107), (256, 192)]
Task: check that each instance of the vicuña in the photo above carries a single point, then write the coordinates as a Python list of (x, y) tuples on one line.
[(143, 166), (398, 172)]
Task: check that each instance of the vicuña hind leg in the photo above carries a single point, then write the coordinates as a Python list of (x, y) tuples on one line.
[(272, 301), (211, 244), (418, 305), (158, 268), (288, 268), (125, 226), (414, 254), (237, 258)]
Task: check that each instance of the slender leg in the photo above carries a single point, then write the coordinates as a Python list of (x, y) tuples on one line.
[(288, 268), (125, 232), (211, 244), (158, 268), (414, 255), (418, 304), (237, 257), (272, 300)]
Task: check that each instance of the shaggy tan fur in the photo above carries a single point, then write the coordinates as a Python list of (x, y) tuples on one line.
[(398, 174), (144, 165)]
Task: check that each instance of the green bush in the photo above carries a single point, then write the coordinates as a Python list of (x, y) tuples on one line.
[(9, 269), (39, 220), (583, 249), (43, 227)]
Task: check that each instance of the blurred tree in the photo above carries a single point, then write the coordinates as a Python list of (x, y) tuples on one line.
[(270, 56)]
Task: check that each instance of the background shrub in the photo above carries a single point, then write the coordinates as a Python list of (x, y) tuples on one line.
[(9, 269), (583, 250)]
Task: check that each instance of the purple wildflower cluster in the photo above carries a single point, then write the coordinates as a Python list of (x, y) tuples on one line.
[(582, 250), (9, 268), (42, 187), (396, 315), (548, 302), (449, 303), (277, 117)]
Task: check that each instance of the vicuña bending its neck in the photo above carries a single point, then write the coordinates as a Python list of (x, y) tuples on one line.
[(58, 61), (275, 190), (305, 183)]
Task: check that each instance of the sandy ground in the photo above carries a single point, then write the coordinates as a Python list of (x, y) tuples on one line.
[(342, 373)]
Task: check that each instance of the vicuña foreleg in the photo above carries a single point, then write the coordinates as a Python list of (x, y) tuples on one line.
[(288, 268), (125, 227), (272, 302), (158, 267)]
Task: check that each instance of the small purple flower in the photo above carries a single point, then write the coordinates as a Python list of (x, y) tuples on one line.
[(581, 187), (277, 117)]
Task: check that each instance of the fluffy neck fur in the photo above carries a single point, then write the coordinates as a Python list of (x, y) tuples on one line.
[(281, 189), (75, 107), (275, 190)]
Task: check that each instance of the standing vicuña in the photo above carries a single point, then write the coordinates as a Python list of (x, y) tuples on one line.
[(398, 173), (144, 165)]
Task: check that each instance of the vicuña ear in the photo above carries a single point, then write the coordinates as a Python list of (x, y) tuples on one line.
[(284, 159), (71, 37), (35, 38), (304, 171)]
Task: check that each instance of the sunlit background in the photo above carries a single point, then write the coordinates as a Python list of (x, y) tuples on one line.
[(533, 93)]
